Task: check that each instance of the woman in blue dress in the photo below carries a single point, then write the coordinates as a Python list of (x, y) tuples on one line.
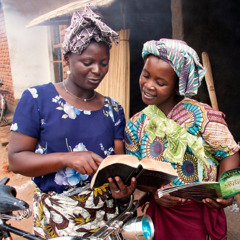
[(61, 132)]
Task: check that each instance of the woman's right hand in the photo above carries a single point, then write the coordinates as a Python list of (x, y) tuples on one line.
[(167, 200), (85, 162)]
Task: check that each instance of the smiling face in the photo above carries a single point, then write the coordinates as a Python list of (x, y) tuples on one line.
[(89, 68), (158, 84)]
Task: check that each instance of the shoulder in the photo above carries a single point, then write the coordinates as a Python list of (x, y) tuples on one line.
[(42, 88), (112, 102), (205, 109), (114, 109), (113, 105), (195, 115), (138, 117), (34, 91), (190, 101)]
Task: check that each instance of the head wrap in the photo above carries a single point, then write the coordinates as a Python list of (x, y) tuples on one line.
[(182, 58), (85, 26)]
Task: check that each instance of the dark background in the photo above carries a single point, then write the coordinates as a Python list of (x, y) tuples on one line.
[(209, 25)]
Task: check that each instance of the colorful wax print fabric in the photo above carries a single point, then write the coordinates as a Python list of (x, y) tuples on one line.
[(200, 120), (182, 58), (72, 213), (85, 27)]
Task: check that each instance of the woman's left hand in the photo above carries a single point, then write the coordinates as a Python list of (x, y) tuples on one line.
[(119, 189), (218, 203)]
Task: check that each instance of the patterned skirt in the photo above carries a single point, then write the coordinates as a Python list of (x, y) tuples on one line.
[(76, 212)]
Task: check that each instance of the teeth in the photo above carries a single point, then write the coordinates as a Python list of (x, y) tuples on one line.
[(148, 94)]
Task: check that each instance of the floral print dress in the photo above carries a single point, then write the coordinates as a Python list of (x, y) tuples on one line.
[(63, 204)]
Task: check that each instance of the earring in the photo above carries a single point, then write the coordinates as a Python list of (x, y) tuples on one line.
[(68, 72)]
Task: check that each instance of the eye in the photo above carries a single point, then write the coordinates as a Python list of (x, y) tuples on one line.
[(87, 64), (145, 75), (160, 84), (104, 64)]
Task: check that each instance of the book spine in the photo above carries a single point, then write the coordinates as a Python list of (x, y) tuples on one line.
[(135, 174)]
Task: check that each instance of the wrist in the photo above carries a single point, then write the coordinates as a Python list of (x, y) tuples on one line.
[(62, 160)]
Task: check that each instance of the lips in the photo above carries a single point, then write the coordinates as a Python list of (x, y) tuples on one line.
[(94, 80), (148, 95)]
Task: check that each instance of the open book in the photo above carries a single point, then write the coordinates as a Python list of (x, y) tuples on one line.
[(148, 172), (228, 186)]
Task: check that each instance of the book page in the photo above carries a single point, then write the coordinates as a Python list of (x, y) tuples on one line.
[(129, 160), (228, 186), (195, 191), (154, 173), (156, 165)]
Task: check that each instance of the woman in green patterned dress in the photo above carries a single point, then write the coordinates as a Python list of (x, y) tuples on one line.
[(189, 134)]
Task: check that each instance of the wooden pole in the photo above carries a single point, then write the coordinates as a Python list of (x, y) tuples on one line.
[(209, 81)]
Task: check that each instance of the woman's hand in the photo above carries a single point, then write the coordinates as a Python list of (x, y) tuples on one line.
[(85, 162), (167, 200), (119, 189), (218, 203)]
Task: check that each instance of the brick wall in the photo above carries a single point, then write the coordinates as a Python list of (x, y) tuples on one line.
[(5, 67)]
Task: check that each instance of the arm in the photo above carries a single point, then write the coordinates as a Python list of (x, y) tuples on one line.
[(224, 139), (23, 159), (119, 146), (227, 163)]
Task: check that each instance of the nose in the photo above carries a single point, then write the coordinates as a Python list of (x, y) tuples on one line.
[(149, 85), (96, 69)]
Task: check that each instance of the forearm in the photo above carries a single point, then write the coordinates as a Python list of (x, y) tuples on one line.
[(228, 163), (33, 164), (24, 160)]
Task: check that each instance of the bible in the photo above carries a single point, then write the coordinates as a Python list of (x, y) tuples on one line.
[(148, 172), (227, 186)]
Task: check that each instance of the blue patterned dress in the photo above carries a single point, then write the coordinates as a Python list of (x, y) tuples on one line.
[(43, 114)]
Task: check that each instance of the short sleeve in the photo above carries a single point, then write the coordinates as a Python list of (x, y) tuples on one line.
[(26, 119), (119, 120), (217, 134)]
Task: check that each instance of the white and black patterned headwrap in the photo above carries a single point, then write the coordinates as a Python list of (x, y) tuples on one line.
[(86, 26)]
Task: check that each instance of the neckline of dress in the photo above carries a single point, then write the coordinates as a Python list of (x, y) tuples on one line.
[(105, 98)]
